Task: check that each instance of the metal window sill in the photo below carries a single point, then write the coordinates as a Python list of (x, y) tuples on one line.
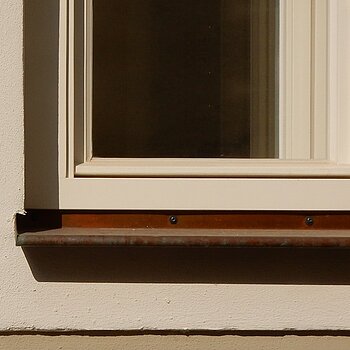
[(183, 229)]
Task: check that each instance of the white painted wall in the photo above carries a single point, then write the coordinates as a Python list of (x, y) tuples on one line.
[(28, 304)]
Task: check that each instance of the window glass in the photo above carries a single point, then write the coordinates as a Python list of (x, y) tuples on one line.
[(185, 78)]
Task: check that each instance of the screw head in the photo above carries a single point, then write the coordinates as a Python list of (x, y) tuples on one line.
[(173, 219), (309, 221)]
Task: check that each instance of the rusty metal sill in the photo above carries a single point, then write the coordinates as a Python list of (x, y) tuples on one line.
[(90, 237)]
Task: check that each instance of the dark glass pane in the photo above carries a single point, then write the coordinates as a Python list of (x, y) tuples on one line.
[(173, 78)]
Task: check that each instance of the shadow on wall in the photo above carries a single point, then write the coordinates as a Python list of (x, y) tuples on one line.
[(41, 101), (190, 265)]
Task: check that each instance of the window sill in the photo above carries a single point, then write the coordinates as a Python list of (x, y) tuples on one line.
[(183, 229)]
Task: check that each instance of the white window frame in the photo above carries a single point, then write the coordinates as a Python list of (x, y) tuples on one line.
[(315, 82)]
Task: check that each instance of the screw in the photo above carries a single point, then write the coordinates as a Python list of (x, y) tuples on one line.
[(173, 220), (309, 221)]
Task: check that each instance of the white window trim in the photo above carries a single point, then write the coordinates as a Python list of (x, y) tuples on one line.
[(234, 184)]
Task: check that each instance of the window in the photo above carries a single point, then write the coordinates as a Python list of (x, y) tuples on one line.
[(294, 74)]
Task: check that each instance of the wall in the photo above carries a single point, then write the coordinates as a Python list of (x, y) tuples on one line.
[(25, 303), (172, 343)]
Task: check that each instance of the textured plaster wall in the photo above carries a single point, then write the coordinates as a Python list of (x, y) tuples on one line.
[(28, 304)]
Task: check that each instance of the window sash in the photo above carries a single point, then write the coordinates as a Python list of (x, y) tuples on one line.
[(303, 88)]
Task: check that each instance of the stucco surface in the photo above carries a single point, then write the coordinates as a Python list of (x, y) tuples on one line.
[(28, 304), (173, 343)]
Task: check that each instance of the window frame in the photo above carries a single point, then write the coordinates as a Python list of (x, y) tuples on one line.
[(229, 184)]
